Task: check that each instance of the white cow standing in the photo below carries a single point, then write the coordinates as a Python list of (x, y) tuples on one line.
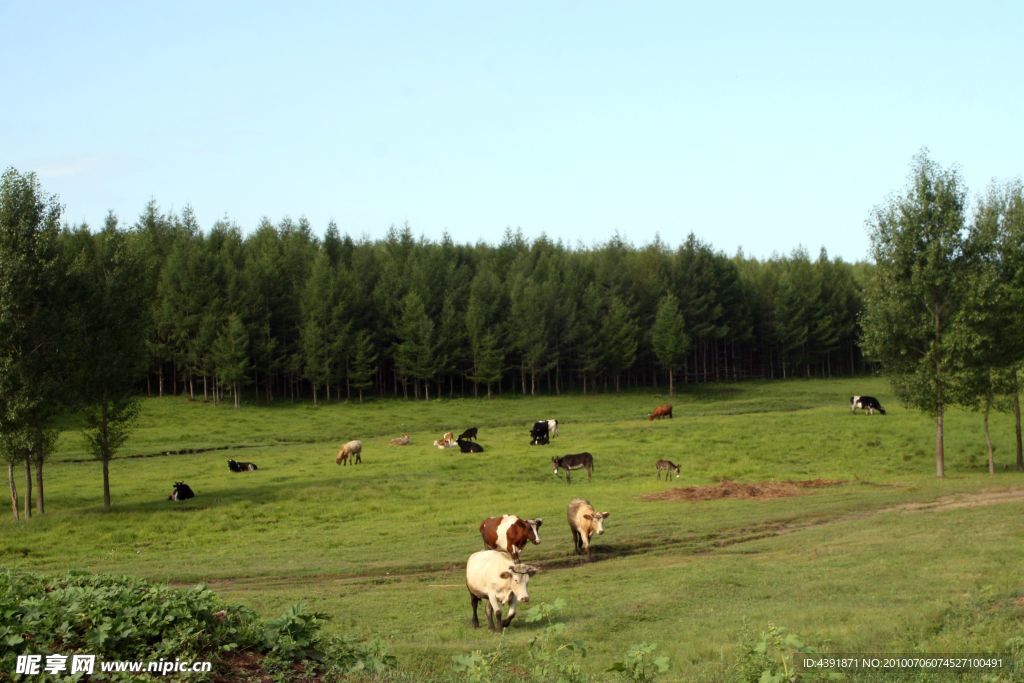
[(584, 522), (493, 575)]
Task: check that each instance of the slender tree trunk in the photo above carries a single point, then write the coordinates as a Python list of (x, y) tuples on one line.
[(988, 443), (106, 481), (671, 387), (940, 454), (1016, 422), (14, 491), (160, 380), (28, 485), (40, 501)]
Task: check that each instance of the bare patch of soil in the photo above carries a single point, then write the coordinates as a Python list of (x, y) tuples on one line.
[(736, 489)]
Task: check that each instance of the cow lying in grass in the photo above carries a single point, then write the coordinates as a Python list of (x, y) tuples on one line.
[(469, 446), (181, 491), (402, 440), (242, 466)]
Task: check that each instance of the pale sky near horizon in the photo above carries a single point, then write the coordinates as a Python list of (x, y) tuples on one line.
[(754, 127)]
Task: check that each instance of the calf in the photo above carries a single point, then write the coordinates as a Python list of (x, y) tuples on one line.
[(576, 461), (241, 466), (666, 466), (584, 522), (182, 491), (468, 434), (469, 446), (510, 533), (493, 575), (539, 434), (446, 441), (660, 412), (353, 450), (402, 440), (868, 403)]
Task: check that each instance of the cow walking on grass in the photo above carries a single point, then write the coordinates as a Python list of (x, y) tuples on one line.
[(584, 522), (493, 575)]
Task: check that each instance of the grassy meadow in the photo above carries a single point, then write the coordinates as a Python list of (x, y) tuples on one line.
[(891, 560)]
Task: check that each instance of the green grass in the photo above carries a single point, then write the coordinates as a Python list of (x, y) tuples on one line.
[(381, 547)]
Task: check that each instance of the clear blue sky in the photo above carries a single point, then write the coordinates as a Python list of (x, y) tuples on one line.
[(761, 126)]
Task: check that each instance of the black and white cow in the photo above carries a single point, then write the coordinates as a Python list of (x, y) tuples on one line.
[(469, 446), (575, 461), (540, 434), (182, 491), (242, 466), (868, 403)]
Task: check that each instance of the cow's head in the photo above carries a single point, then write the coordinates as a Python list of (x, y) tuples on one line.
[(597, 521), (534, 525), (519, 576)]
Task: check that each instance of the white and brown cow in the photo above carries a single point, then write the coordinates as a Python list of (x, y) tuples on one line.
[(447, 440), (584, 523), (510, 533), (352, 450), (493, 575), (552, 428)]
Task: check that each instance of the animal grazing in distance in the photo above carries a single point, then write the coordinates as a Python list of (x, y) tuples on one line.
[(493, 575), (660, 412), (575, 461), (242, 466), (352, 450), (510, 533), (402, 440), (584, 523), (469, 446), (181, 491), (468, 434), (868, 403), (540, 433), (666, 466)]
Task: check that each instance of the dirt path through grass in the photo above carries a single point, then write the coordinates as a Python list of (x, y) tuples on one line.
[(706, 544)]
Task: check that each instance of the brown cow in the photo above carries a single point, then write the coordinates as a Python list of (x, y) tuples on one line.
[(510, 533), (402, 440), (352, 449), (584, 522), (660, 412)]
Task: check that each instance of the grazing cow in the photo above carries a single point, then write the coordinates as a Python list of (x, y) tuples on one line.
[(868, 403), (446, 441), (468, 434), (584, 522), (666, 466), (493, 575), (510, 533), (539, 435), (552, 428), (182, 491), (469, 446), (402, 440), (353, 450), (576, 461), (660, 412), (242, 466)]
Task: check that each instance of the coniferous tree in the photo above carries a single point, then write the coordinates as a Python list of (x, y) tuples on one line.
[(364, 363), (231, 354), (669, 338)]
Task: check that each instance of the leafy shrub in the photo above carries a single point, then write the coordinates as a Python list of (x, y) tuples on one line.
[(127, 618), (768, 658), (640, 664)]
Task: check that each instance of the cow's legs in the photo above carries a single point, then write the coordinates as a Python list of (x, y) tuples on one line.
[(577, 541), (474, 601), (511, 611), (494, 613)]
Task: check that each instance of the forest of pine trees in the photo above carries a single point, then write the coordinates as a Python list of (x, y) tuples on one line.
[(280, 313)]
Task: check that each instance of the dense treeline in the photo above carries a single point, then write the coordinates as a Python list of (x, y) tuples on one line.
[(290, 315)]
